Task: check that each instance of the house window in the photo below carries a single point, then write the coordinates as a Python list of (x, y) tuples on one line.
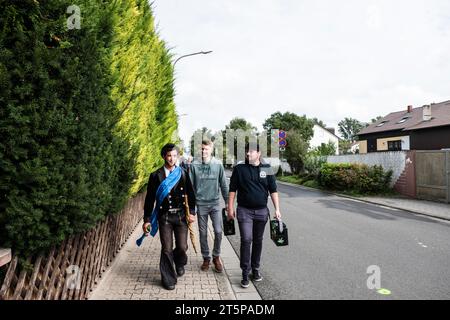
[(381, 124), (395, 145), (403, 119)]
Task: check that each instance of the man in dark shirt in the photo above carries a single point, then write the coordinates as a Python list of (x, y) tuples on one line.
[(253, 181), (171, 216)]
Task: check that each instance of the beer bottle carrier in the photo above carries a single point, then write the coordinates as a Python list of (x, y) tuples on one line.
[(228, 225), (279, 233)]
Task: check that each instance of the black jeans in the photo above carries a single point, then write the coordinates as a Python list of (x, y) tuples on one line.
[(251, 226), (172, 224)]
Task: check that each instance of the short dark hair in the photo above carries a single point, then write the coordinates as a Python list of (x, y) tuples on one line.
[(167, 148), (207, 142)]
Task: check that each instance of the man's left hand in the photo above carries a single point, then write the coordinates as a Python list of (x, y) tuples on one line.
[(277, 214), (191, 218)]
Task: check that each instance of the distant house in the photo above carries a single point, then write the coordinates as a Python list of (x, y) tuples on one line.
[(323, 135), (423, 128)]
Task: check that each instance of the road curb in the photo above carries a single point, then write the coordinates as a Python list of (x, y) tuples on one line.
[(365, 200)]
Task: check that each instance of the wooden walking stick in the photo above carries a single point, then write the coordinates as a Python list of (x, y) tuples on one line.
[(190, 226)]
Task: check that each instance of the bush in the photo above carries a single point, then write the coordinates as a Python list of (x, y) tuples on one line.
[(313, 164), (358, 178), (83, 115)]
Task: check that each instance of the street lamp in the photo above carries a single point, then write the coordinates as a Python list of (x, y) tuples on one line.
[(191, 54)]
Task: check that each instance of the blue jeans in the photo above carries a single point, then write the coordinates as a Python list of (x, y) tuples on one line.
[(251, 226), (215, 212)]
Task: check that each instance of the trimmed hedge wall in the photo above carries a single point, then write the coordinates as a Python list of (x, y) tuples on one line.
[(359, 178), (83, 115)]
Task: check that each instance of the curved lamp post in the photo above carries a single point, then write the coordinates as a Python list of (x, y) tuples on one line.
[(191, 54)]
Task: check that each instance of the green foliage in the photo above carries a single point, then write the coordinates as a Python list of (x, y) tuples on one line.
[(83, 115), (359, 178), (296, 151), (143, 86), (373, 120), (240, 123), (349, 128), (344, 146), (325, 149), (299, 130), (319, 122), (313, 164), (290, 121)]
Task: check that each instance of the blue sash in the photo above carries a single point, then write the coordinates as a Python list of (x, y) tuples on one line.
[(161, 193)]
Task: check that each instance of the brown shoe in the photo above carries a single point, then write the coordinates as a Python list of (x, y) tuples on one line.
[(205, 265), (217, 264)]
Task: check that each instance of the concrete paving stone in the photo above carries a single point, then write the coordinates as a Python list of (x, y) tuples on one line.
[(248, 296), (134, 274)]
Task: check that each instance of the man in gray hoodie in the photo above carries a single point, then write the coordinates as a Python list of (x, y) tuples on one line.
[(208, 179)]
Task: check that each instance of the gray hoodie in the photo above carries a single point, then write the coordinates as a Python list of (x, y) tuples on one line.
[(207, 179)]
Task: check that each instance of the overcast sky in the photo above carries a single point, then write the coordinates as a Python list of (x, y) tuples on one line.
[(326, 59)]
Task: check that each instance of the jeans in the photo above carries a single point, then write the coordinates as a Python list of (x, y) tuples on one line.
[(215, 212), (170, 225), (251, 226)]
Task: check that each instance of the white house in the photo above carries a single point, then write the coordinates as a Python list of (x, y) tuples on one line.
[(322, 135)]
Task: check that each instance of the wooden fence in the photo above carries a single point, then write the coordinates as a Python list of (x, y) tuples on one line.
[(433, 175), (70, 271)]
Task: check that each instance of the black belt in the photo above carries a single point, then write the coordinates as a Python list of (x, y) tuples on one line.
[(174, 211)]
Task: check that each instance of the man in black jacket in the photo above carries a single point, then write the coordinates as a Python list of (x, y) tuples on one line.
[(171, 216)]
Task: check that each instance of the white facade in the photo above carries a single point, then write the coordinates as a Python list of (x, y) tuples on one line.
[(322, 135)]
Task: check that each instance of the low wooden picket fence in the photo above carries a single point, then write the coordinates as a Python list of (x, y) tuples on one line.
[(71, 271)]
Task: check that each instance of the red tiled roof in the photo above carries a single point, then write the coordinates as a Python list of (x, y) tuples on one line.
[(440, 116)]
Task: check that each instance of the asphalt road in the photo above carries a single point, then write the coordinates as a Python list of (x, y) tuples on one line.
[(333, 241)]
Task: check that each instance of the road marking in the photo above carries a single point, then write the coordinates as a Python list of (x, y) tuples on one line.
[(423, 245), (384, 292)]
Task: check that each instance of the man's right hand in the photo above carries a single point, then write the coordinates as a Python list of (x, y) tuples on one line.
[(231, 213), (145, 227)]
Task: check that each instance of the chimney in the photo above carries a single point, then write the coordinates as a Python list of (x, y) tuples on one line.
[(426, 112), (409, 109)]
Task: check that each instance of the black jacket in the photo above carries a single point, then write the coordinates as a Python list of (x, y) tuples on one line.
[(174, 200)]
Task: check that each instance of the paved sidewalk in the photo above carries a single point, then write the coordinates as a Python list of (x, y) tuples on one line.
[(429, 208), (424, 207), (134, 275)]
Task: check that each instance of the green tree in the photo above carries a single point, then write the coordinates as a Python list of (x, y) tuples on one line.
[(325, 149), (375, 119), (241, 123), (296, 152), (349, 128), (319, 122), (290, 121), (344, 146)]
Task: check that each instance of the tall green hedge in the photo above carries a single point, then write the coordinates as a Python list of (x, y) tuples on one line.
[(83, 114)]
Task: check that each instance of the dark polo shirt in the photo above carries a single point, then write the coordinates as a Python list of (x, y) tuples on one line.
[(253, 184)]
